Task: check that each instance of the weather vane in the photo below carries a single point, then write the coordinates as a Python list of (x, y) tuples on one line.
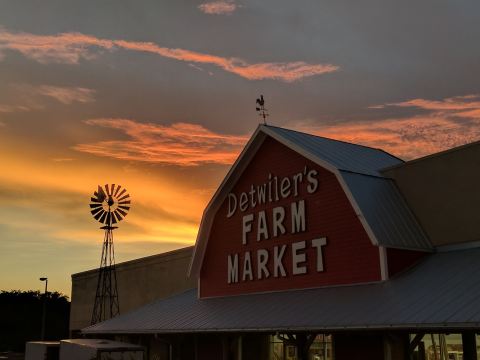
[(262, 111), (109, 205)]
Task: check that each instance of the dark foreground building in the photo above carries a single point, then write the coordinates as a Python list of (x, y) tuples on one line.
[(314, 249)]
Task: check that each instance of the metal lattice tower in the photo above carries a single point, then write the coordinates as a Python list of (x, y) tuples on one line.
[(109, 206)]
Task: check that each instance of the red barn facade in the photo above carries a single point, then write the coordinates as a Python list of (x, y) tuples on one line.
[(305, 236)]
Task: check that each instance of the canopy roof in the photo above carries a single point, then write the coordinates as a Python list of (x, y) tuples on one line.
[(441, 292)]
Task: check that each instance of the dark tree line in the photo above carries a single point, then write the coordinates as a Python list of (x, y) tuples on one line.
[(21, 318)]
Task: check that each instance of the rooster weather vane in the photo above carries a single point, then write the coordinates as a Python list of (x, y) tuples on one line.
[(109, 205), (262, 111)]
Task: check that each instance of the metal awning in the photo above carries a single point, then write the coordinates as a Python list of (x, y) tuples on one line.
[(442, 292)]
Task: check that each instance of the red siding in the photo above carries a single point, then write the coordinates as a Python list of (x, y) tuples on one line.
[(398, 259), (349, 256)]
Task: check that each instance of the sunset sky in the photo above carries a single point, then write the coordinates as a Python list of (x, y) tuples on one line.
[(160, 97)]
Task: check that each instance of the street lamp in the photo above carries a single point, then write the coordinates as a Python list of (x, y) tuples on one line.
[(44, 313)]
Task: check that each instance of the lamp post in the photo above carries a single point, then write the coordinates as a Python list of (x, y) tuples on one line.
[(44, 312)]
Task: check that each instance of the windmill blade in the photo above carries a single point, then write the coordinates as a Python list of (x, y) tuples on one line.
[(104, 215), (126, 208), (124, 213), (122, 192), (92, 206), (97, 217), (96, 211), (114, 220), (124, 202), (95, 199), (118, 215), (124, 197), (107, 189), (101, 196), (116, 191)]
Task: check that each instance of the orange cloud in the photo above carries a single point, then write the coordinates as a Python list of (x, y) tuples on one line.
[(179, 144), (453, 104), (70, 48), (67, 48), (27, 96), (448, 123), (67, 95), (218, 7), (62, 159), (13, 108)]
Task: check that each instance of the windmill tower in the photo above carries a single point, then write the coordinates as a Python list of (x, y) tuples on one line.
[(109, 205)]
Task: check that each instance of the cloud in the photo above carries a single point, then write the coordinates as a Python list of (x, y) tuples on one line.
[(28, 97), (71, 48), (453, 104), (62, 159), (13, 108), (67, 48), (440, 125), (67, 95), (178, 144), (218, 7)]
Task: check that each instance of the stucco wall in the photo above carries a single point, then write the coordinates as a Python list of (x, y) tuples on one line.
[(443, 192), (140, 281)]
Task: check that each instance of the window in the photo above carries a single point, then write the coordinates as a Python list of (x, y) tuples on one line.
[(283, 348)]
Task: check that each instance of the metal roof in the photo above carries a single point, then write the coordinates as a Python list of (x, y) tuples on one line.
[(388, 219), (102, 344), (393, 226), (386, 212), (342, 155), (441, 292)]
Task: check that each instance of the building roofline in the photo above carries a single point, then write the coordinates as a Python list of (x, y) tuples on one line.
[(187, 249), (430, 156), (337, 140)]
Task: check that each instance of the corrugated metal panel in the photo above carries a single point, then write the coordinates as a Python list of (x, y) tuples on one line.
[(440, 292), (342, 155), (386, 211)]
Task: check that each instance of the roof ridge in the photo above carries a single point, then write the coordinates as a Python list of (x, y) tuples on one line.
[(331, 139), (380, 176)]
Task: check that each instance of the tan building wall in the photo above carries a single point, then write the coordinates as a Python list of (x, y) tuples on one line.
[(140, 282), (443, 191)]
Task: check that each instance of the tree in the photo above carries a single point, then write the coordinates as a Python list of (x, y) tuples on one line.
[(21, 318)]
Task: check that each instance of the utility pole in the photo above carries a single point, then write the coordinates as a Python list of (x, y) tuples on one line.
[(44, 312)]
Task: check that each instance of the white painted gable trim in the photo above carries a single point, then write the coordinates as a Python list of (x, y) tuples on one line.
[(234, 174), (235, 171)]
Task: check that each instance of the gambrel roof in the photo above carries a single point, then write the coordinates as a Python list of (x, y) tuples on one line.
[(376, 199)]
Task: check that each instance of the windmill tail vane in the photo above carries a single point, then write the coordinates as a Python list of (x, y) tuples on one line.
[(108, 205), (262, 111)]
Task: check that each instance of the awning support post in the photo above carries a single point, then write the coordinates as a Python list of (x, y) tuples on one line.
[(416, 340), (469, 346), (239, 347), (302, 341)]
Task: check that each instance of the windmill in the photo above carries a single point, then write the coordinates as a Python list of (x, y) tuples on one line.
[(262, 111), (109, 205)]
